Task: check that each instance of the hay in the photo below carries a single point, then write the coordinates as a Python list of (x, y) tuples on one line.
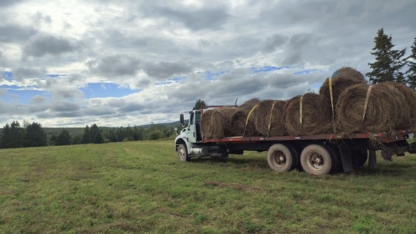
[(238, 120), (248, 105), (409, 102), (216, 123), (206, 124), (384, 109), (341, 80), (349, 72), (316, 119), (276, 120)]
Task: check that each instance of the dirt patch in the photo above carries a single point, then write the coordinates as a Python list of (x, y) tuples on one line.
[(106, 227)]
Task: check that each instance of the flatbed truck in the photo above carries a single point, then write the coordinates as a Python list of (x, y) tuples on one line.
[(315, 154)]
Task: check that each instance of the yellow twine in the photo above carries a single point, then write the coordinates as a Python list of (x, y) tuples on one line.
[(270, 119), (248, 117), (367, 96), (300, 109)]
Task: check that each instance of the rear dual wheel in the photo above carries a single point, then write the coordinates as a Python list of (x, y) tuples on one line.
[(358, 157), (282, 158), (318, 160)]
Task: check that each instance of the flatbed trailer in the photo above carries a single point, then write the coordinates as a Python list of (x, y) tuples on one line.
[(315, 154)]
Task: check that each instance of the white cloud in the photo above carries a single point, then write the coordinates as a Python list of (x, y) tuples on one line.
[(172, 53)]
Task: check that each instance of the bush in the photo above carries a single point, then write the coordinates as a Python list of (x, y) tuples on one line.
[(155, 135)]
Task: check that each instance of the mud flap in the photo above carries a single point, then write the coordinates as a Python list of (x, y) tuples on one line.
[(372, 159), (345, 153)]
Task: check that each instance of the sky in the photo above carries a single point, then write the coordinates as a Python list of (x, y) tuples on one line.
[(135, 62)]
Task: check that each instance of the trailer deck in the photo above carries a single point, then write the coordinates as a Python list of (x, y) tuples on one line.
[(383, 137)]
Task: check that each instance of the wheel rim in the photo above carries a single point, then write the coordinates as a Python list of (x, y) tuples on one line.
[(316, 161), (181, 154), (279, 159)]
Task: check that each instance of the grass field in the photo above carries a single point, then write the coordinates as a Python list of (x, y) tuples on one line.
[(140, 187)]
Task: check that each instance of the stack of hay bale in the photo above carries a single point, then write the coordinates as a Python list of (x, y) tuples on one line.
[(345, 104)]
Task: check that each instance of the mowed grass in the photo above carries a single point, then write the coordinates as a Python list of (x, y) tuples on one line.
[(141, 187)]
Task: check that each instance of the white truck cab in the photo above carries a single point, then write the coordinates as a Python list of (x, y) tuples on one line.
[(189, 143)]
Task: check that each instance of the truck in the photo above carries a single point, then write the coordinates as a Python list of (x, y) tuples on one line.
[(315, 154)]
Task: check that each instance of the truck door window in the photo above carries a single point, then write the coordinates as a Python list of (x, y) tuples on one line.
[(191, 119), (197, 117)]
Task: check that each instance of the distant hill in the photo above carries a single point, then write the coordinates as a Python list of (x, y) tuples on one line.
[(79, 131)]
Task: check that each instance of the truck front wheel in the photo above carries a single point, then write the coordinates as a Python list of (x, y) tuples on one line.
[(183, 153), (280, 158), (317, 160)]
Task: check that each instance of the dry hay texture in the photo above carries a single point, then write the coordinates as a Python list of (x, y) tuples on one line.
[(275, 117), (385, 109), (409, 102), (341, 80), (316, 119), (215, 123), (238, 120)]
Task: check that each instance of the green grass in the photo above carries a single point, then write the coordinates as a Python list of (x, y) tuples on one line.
[(140, 187)]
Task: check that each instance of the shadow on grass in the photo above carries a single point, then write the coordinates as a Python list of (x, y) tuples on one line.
[(259, 162), (385, 169)]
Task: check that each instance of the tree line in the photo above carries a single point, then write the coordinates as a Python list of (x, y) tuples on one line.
[(391, 64), (33, 135)]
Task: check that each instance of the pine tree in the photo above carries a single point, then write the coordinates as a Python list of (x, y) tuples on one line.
[(86, 138), (34, 135), (15, 136), (96, 136), (411, 72), (388, 61), (199, 104), (63, 138), (5, 136)]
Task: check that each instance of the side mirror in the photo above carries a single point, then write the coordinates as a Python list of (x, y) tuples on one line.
[(182, 120)]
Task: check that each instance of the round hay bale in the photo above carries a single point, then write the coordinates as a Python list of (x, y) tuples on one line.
[(316, 119), (238, 120), (348, 72), (206, 124), (409, 102), (275, 117), (216, 123), (381, 113), (248, 105), (341, 80)]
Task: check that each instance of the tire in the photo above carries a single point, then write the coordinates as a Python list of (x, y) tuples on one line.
[(282, 158), (318, 160), (183, 153), (358, 157)]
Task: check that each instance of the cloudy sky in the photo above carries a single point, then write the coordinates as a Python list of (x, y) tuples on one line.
[(133, 62)]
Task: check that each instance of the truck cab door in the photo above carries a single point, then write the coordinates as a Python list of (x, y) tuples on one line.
[(192, 136)]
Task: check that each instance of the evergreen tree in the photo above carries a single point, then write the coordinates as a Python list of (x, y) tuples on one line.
[(199, 104), (34, 135), (15, 136), (5, 137), (77, 139), (411, 72), (95, 134), (52, 140), (63, 138), (86, 138), (388, 61)]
